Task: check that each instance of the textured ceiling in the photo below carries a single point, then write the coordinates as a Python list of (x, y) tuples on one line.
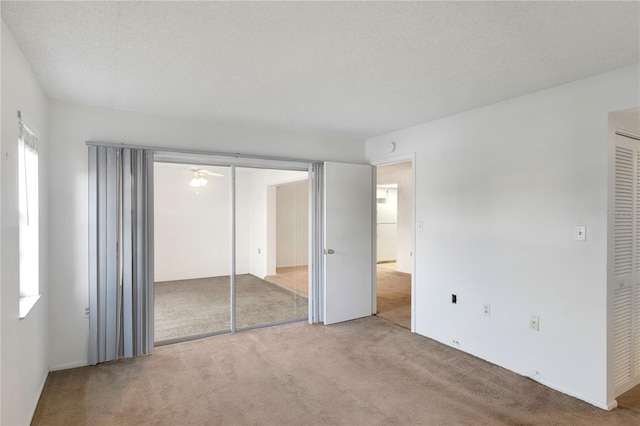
[(351, 68)]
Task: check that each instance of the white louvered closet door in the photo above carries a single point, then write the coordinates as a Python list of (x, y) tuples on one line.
[(626, 265)]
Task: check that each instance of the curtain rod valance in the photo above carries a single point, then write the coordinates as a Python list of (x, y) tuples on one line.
[(202, 152)]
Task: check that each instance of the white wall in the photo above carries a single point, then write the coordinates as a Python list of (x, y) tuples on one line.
[(292, 224), (500, 189), (245, 185), (263, 217), (192, 226), (24, 344), (404, 255), (71, 126)]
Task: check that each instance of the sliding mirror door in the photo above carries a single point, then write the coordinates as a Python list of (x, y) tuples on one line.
[(272, 231), (192, 251)]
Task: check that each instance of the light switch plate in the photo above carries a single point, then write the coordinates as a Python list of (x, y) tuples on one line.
[(580, 233)]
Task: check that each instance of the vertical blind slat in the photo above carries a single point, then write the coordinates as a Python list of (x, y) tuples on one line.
[(93, 253), (112, 284), (102, 250), (127, 256)]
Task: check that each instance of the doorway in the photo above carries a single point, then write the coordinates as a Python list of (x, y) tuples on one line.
[(394, 242)]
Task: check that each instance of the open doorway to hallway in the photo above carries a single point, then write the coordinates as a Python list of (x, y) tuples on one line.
[(394, 229)]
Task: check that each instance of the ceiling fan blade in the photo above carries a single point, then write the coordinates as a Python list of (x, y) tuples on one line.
[(199, 171), (212, 173)]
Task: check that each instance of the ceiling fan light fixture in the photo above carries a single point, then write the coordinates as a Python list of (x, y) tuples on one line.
[(198, 182)]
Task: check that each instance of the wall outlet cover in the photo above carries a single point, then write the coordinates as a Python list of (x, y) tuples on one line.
[(534, 323), (486, 309)]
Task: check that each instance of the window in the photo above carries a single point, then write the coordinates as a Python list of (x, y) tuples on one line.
[(28, 218)]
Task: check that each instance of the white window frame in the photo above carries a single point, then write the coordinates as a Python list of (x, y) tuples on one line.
[(28, 209)]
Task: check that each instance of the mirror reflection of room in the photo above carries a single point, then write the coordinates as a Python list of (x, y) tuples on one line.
[(193, 249)]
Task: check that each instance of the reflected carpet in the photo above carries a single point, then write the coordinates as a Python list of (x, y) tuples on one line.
[(192, 307)]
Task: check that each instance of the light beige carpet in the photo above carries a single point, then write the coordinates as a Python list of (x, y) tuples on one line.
[(363, 372), (394, 295), (199, 306), (630, 400)]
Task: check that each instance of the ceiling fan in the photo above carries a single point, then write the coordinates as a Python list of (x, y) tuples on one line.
[(199, 180)]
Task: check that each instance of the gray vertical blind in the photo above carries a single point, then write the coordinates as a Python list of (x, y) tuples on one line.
[(120, 252)]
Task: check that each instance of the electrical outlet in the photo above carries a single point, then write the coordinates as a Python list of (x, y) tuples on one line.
[(534, 323), (487, 309), (86, 312), (455, 342)]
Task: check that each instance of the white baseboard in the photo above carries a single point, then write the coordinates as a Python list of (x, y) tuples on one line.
[(290, 266), (34, 406), (68, 365), (596, 403), (600, 404)]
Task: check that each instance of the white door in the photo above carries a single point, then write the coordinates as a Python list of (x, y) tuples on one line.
[(348, 267), (625, 266)]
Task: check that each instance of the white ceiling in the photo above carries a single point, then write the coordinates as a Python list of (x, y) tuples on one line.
[(351, 68)]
